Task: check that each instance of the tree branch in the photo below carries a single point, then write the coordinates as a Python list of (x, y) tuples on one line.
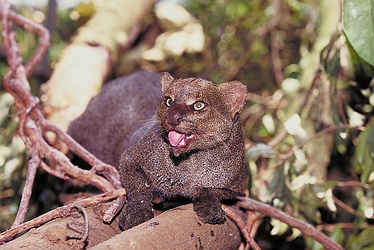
[(32, 123), (305, 228)]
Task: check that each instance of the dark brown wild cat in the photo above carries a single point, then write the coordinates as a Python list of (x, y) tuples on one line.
[(194, 150)]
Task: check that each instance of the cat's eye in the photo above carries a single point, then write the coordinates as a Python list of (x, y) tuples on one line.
[(198, 106), (168, 102)]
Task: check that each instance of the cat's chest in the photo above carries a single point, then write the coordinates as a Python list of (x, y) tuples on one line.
[(183, 174), (188, 172)]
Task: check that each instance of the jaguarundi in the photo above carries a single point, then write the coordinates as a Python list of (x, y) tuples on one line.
[(180, 137)]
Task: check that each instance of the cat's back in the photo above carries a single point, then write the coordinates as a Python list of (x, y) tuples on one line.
[(118, 115)]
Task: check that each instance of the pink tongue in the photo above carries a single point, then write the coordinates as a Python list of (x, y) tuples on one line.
[(176, 138)]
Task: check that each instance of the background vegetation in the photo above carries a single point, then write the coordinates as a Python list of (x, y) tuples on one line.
[(308, 127)]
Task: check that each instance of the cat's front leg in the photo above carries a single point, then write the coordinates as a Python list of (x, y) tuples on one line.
[(207, 205), (139, 206)]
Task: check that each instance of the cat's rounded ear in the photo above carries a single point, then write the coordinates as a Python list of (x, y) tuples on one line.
[(165, 80), (235, 95)]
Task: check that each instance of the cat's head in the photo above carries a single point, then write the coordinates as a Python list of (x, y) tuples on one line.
[(196, 113)]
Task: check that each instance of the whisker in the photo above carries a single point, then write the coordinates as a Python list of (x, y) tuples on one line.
[(147, 124)]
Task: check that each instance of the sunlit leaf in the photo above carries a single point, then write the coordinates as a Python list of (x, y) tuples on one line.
[(358, 26), (259, 149), (279, 227)]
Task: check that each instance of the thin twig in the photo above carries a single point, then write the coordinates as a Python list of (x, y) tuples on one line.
[(58, 173), (305, 228), (353, 184), (114, 209), (344, 206), (243, 228), (84, 238), (57, 156), (238, 65), (76, 148), (285, 157), (275, 54), (331, 227), (33, 165), (317, 76), (37, 29), (243, 59)]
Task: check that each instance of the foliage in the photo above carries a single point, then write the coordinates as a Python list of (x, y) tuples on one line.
[(358, 25), (238, 44), (12, 157), (238, 30)]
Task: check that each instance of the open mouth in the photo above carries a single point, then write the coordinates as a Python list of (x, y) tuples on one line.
[(179, 140)]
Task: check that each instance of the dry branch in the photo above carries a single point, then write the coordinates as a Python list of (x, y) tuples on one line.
[(245, 231), (32, 123)]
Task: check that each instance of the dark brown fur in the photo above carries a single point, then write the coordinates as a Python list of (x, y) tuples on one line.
[(118, 116), (194, 150)]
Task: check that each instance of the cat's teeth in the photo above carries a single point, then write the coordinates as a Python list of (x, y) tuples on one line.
[(182, 143)]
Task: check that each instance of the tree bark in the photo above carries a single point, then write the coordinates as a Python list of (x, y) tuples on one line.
[(178, 228)]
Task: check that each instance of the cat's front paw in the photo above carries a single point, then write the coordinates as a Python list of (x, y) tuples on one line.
[(134, 217), (210, 214)]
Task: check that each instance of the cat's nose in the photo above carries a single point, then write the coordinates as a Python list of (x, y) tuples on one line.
[(174, 119)]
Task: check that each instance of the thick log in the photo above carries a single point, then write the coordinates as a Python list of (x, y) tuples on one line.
[(178, 228)]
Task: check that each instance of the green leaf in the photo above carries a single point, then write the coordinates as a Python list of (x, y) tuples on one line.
[(370, 140), (368, 168), (363, 70), (361, 241), (358, 26), (337, 235), (364, 155), (361, 147)]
